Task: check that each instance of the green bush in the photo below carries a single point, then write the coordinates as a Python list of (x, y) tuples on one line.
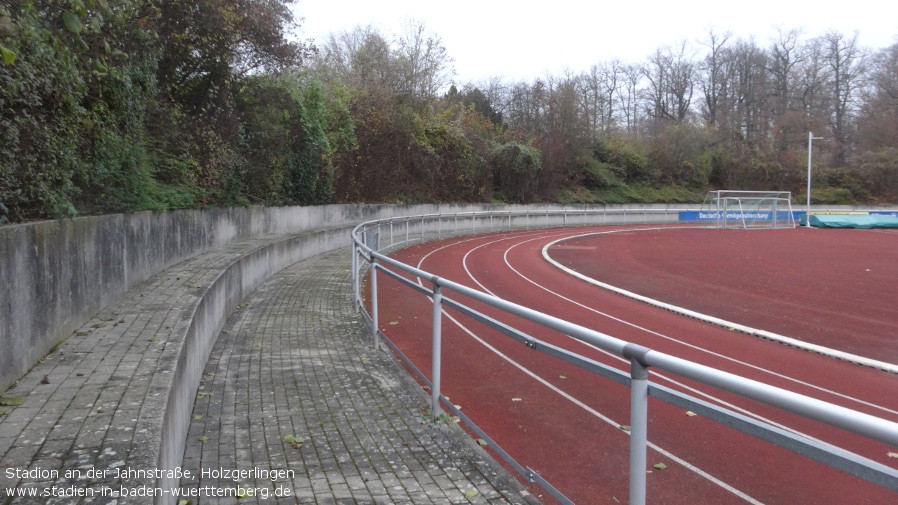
[(625, 157), (515, 168), (599, 175)]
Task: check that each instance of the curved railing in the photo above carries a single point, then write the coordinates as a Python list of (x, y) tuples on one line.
[(370, 239)]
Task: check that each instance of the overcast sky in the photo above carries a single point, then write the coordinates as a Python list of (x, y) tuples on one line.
[(517, 40)]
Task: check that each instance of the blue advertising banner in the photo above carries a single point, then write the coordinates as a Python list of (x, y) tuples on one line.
[(798, 215), (704, 215)]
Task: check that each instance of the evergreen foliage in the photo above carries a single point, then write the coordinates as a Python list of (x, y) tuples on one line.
[(168, 104)]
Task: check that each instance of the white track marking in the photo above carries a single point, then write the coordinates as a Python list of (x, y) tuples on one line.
[(604, 418), (819, 349), (686, 344), (661, 376), (577, 402)]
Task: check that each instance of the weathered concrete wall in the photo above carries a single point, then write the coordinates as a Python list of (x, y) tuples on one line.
[(57, 274)]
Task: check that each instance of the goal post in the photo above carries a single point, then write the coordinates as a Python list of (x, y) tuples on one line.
[(748, 209)]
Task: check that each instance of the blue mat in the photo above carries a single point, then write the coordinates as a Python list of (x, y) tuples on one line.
[(864, 221)]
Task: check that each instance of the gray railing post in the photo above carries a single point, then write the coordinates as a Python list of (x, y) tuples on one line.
[(355, 276), (437, 358), (374, 320), (639, 405)]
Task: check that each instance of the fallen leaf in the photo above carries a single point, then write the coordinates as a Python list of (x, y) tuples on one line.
[(10, 401), (293, 439), (516, 399), (893, 454), (296, 445), (472, 493), (203, 438), (197, 417), (562, 377), (98, 325), (185, 502), (72, 22), (625, 427), (691, 413), (481, 442), (394, 323), (659, 466)]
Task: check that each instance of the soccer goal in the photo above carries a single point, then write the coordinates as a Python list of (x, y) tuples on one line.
[(749, 209)]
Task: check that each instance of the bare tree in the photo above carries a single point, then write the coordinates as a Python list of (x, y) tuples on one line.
[(591, 98), (628, 94), (415, 65), (747, 77), (785, 54), (424, 65), (878, 121), (361, 58), (848, 65), (562, 107), (497, 93), (671, 76), (713, 79)]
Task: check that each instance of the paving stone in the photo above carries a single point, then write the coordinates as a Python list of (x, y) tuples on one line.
[(289, 362)]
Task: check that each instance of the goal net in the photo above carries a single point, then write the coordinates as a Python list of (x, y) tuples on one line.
[(748, 209)]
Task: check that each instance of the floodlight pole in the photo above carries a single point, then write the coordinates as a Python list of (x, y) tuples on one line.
[(811, 139)]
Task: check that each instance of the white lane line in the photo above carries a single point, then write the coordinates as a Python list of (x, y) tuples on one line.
[(693, 346), (819, 349), (658, 375), (606, 419), (577, 402)]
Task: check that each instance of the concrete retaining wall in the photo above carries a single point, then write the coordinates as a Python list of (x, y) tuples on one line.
[(57, 274), (179, 388)]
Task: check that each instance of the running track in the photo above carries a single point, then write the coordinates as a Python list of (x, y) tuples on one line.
[(565, 423)]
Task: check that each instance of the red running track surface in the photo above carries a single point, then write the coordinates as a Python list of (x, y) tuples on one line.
[(565, 423), (833, 287)]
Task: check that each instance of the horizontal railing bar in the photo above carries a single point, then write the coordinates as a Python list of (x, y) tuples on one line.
[(822, 452), (537, 478), (482, 434), (812, 408), (525, 472), (593, 366), (834, 415), (412, 284), (843, 418)]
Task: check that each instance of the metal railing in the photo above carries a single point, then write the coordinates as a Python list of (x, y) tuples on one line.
[(370, 238)]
